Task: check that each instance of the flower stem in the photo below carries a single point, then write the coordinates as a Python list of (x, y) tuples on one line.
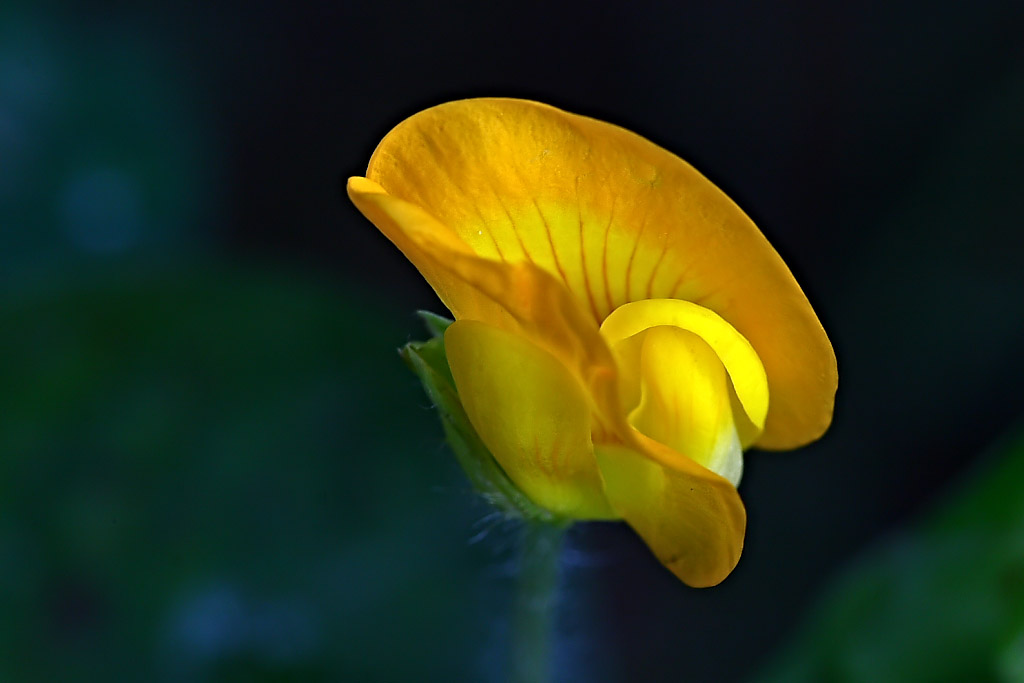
[(536, 602)]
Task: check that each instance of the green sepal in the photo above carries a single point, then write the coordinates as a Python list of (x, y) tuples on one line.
[(436, 324), (430, 363)]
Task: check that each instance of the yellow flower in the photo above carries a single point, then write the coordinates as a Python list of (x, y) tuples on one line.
[(623, 330)]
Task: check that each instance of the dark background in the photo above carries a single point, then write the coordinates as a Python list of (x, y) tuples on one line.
[(213, 465)]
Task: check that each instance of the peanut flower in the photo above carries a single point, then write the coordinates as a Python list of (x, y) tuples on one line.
[(623, 330)]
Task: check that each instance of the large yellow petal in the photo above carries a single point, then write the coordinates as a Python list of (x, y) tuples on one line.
[(617, 219), (520, 298), (684, 401), (693, 520), (532, 414), (736, 353)]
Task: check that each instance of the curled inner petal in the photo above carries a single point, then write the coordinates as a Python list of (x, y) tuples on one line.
[(684, 400), (741, 362)]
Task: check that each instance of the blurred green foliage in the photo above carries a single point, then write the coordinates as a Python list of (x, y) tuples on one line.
[(943, 601), (192, 487), (104, 150)]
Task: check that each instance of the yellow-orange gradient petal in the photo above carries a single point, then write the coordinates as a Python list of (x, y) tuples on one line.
[(520, 298), (617, 219), (532, 414), (692, 519)]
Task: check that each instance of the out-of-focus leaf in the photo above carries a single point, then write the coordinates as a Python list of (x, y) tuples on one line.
[(206, 475), (104, 150), (943, 601)]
